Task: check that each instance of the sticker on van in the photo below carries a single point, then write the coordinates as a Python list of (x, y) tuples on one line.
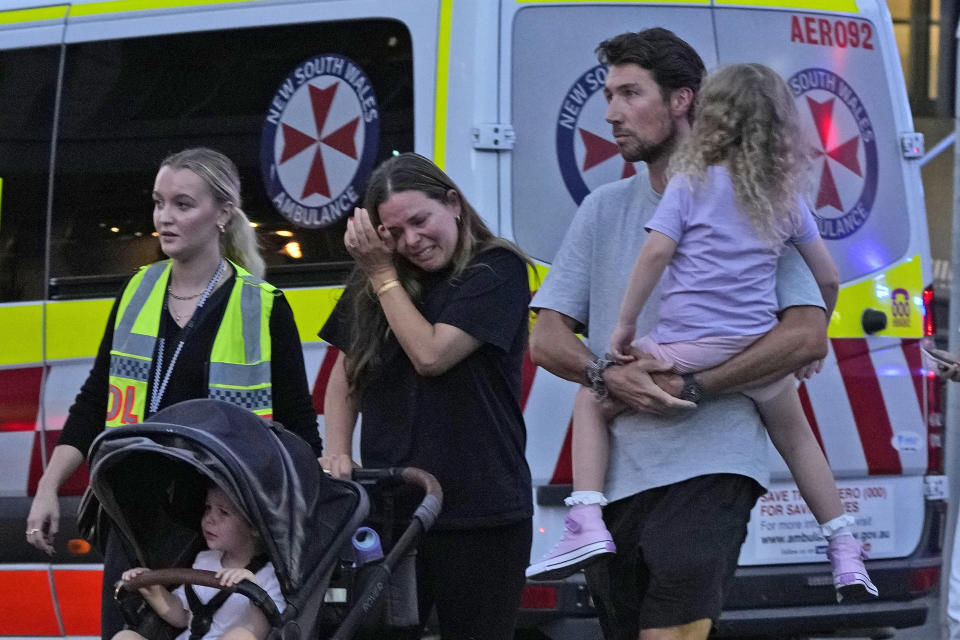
[(787, 530), (583, 152), (847, 182), (900, 307), (319, 141), (907, 441)]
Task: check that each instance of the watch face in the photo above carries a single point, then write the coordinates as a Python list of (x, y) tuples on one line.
[(691, 390)]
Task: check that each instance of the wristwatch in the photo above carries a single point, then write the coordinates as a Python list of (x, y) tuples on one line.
[(594, 373), (692, 391)]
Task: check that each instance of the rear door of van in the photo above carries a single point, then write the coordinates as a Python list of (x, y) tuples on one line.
[(870, 405), (868, 203)]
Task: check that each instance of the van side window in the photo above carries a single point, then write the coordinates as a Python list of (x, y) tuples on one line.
[(27, 88), (129, 103)]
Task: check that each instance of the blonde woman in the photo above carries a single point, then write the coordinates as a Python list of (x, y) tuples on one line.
[(726, 216), (200, 324)]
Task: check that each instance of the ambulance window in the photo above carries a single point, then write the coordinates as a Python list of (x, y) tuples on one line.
[(27, 86), (127, 104)]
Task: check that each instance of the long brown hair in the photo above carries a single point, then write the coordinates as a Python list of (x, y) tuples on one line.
[(407, 172)]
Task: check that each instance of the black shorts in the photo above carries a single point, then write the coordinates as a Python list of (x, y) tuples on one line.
[(677, 550)]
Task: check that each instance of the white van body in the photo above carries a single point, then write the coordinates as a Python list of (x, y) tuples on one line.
[(504, 95)]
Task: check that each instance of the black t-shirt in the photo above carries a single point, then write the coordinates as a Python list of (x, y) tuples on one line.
[(292, 403), (464, 426)]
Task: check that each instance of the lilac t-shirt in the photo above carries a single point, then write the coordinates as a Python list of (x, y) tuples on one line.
[(721, 279)]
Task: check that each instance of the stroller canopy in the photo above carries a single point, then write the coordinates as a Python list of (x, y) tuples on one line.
[(150, 479)]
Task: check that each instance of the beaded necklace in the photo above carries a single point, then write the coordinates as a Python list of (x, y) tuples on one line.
[(160, 381)]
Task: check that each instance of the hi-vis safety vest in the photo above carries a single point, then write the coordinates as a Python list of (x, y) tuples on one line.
[(239, 361)]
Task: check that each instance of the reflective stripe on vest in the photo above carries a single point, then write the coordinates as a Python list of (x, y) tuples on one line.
[(240, 358), (134, 337), (239, 361)]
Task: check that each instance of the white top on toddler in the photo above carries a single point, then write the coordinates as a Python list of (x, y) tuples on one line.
[(230, 614)]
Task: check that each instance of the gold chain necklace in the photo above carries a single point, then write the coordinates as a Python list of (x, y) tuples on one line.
[(176, 297), (177, 316)]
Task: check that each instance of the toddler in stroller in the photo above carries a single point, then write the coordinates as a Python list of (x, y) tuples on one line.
[(235, 553), (150, 482)]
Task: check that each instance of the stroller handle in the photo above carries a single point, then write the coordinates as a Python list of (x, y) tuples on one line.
[(422, 520), (177, 576), (429, 507)]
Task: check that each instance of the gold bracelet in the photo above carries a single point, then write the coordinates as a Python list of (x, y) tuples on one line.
[(386, 286)]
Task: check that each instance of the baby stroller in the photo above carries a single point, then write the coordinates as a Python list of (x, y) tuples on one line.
[(150, 480)]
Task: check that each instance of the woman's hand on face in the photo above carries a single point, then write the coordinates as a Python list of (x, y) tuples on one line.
[(338, 465), (371, 247)]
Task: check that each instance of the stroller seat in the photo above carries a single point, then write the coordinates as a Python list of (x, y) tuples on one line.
[(150, 481)]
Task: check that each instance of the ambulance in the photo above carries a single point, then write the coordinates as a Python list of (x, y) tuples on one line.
[(308, 96)]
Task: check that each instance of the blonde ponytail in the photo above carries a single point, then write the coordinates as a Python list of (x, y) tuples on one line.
[(239, 242)]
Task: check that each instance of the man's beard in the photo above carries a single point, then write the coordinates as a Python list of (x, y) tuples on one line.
[(639, 151)]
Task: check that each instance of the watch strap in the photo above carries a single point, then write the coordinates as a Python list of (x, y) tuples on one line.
[(594, 374), (692, 391)]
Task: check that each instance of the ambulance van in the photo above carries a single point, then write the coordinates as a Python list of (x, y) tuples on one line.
[(308, 96)]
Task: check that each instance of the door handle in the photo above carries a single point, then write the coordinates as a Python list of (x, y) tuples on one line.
[(873, 321)]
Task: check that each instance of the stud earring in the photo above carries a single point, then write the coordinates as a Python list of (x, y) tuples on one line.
[(222, 228)]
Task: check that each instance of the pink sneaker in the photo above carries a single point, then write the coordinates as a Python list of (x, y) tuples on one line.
[(850, 577), (585, 539)]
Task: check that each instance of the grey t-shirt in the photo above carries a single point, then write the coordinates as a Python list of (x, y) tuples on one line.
[(587, 281)]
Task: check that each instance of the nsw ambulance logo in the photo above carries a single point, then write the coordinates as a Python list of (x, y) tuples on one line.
[(846, 150), (319, 141), (586, 153)]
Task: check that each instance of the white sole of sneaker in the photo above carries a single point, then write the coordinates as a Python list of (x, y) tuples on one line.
[(568, 563), (860, 590)]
